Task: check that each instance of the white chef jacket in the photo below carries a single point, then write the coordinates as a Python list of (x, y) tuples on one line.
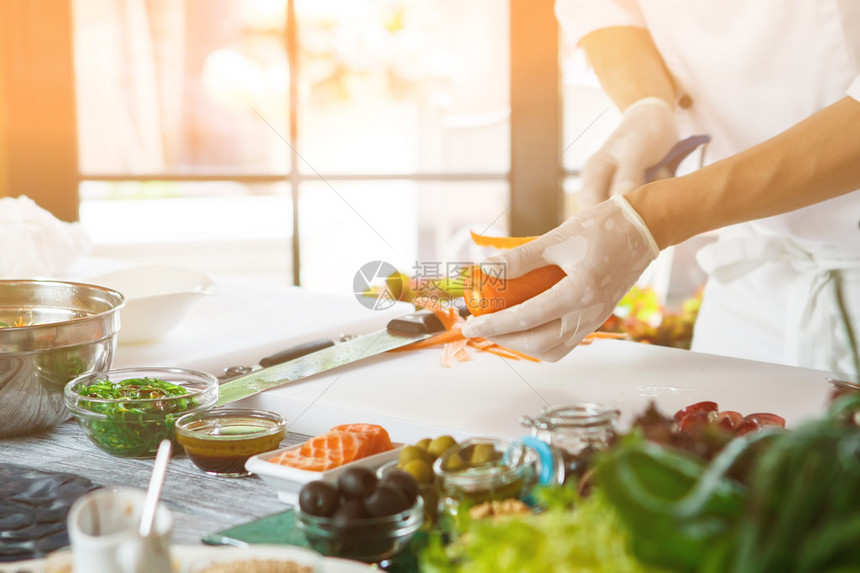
[(781, 288)]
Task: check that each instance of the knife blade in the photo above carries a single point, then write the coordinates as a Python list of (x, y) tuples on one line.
[(283, 356), (399, 332)]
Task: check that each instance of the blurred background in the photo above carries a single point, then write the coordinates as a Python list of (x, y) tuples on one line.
[(294, 140)]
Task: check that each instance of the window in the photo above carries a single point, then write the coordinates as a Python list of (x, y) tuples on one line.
[(385, 134)]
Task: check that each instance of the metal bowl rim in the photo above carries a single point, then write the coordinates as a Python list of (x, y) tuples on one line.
[(121, 302)]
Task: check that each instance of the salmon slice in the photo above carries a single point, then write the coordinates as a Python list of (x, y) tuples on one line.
[(377, 436), (293, 458), (340, 446)]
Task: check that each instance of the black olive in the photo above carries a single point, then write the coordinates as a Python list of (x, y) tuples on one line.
[(319, 498), (356, 483), (404, 482), (386, 500), (349, 510)]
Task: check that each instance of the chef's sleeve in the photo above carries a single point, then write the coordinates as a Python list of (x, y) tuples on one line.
[(579, 17), (854, 88)]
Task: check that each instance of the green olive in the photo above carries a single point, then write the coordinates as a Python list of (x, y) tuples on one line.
[(439, 445), (454, 463), (482, 454), (420, 470), (409, 453), (424, 444)]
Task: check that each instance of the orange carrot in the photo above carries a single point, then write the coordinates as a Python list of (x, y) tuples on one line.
[(607, 335), (485, 294), (499, 242), (519, 354), (455, 351)]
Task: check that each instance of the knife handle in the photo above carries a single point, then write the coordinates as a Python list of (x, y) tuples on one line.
[(666, 167), (295, 352), (415, 324)]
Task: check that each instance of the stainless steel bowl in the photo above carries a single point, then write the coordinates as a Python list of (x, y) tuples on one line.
[(51, 332)]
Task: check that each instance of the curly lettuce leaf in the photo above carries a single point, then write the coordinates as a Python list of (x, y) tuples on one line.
[(590, 538)]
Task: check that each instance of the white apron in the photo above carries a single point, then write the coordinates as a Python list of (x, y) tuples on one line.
[(772, 298), (783, 289)]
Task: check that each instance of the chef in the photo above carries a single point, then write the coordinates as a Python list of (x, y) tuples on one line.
[(775, 84)]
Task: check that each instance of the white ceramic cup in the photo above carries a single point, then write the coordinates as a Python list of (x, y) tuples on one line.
[(104, 533)]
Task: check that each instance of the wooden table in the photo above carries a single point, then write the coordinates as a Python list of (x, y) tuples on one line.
[(200, 503)]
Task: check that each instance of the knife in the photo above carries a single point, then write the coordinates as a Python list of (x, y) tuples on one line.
[(667, 166), (283, 356), (399, 332)]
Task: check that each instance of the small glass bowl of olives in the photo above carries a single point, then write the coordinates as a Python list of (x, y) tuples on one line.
[(360, 517), (427, 491), (479, 470)]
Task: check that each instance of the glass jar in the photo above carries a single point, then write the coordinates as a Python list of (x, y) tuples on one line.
[(479, 470), (842, 388), (575, 432)]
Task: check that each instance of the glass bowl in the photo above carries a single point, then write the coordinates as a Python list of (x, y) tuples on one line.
[(370, 539), (479, 470), (428, 492), (220, 441), (132, 425)]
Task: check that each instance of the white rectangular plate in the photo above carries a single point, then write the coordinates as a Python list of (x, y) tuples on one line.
[(288, 481)]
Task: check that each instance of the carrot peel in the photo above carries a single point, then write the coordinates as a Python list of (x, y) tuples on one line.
[(500, 242)]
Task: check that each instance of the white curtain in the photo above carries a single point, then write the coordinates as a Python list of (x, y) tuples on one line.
[(129, 60)]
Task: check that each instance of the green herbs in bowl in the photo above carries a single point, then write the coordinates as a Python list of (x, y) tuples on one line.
[(127, 412)]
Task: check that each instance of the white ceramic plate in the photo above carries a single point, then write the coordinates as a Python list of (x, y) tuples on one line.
[(200, 557), (187, 556), (288, 481)]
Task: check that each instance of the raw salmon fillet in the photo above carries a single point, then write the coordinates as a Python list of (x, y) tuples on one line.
[(293, 458), (377, 436), (324, 452), (341, 445)]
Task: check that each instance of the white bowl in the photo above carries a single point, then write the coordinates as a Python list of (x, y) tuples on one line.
[(157, 299), (288, 481)]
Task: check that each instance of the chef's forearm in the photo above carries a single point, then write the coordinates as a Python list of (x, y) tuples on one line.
[(815, 160), (628, 65)]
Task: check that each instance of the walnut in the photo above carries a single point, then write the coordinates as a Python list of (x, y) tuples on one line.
[(499, 509)]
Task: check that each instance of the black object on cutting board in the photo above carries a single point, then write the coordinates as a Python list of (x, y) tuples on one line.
[(33, 510), (399, 332)]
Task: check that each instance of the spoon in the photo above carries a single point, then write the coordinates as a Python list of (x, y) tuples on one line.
[(153, 493)]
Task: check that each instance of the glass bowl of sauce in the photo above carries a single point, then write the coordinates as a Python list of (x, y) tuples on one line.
[(220, 441)]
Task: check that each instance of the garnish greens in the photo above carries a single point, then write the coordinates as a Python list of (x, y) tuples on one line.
[(142, 412), (587, 538)]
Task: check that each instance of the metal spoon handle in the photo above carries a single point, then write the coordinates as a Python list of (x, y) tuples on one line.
[(153, 493)]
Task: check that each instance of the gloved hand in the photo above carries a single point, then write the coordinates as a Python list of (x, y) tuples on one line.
[(603, 250), (647, 132)]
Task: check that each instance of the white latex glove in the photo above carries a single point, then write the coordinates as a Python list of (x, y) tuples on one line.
[(647, 132), (603, 250)]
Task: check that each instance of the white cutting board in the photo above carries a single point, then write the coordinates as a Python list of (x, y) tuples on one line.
[(413, 396), (246, 321)]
